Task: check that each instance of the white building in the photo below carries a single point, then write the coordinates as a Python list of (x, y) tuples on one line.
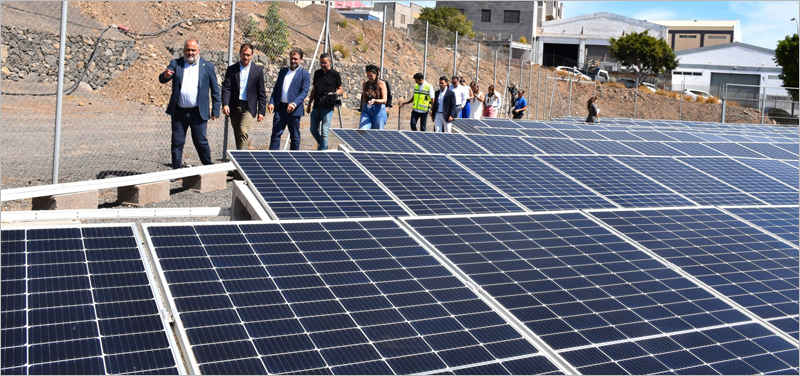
[(732, 63), (575, 40)]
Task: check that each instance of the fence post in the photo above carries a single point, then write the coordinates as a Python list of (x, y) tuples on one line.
[(328, 47), (724, 107), (59, 90), (508, 72), (538, 88), (530, 79), (478, 66), (569, 106), (455, 55), (494, 82), (680, 109), (383, 40), (546, 76), (552, 98), (425, 58), (230, 61), (763, 100), (635, 96)]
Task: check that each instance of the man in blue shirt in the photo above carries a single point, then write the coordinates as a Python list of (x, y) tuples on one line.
[(520, 105)]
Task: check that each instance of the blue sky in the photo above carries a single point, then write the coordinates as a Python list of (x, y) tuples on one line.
[(763, 23)]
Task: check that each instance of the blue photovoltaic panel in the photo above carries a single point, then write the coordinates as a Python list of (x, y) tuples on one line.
[(580, 288), (303, 185), (735, 137), (546, 133), (78, 300), (445, 143), (620, 135), (792, 148), (653, 148), (695, 149), (434, 184), (771, 151), (710, 137), (691, 183), (746, 179), (609, 178), (377, 140), (557, 146), (503, 145), (607, 147), (500, 123), (781, 221), (653, 136), (467, 125), (532, 183), (787, 174), (501, 131), (734, 150), (683, 136), (561, 126), (583, 135), (345, 297), (739, 261), (531, 124)]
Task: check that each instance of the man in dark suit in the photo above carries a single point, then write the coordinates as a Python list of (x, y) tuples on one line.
[(249, 99), (445, 107), (192, 78), (286, 101)]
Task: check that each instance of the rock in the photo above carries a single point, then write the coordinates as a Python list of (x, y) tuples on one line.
[(51, 60), (337, 56), (108, 52), (85, 86)]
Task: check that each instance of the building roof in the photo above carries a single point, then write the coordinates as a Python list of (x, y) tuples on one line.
[(726, 45), (695, 23), (617, 17)]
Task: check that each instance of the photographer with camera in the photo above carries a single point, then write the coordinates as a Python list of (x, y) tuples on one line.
[(520, 105), (326, 87)]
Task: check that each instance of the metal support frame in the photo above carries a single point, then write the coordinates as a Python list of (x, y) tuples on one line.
[(478, 66), (538, 88), (425, 53), (569, 106), (230, 62), (494, 82), (552, 98), (328, 47), (455, 55), (508, 72), (635, 97), (680, 108), (383, 40), (62, 215), (59, 91)]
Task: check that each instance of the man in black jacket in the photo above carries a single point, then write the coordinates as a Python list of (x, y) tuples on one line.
[(444, 107), (243, 95)]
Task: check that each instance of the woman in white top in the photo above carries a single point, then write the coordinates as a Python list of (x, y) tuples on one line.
[(491, 103), (476, 103)]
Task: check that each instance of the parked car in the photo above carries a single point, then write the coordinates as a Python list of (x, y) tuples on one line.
[(597, 74), (628, 82), (574, 72), (650, 86), (694, 94), (781, 116)]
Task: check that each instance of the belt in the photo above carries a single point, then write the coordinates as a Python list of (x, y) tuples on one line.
[(187, 108)]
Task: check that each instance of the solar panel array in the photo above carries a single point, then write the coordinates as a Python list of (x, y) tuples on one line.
[(519, 247)]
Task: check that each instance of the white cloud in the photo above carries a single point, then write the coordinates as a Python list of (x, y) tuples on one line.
[(765, 23)]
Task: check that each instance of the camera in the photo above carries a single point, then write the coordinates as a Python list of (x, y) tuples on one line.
[(512, 90)]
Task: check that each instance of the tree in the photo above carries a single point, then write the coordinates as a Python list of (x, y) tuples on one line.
[(786, 56), (645, 53), (274, 38), (448, 18)]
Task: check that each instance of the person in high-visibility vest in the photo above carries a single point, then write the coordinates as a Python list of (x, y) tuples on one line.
[(422, 99)]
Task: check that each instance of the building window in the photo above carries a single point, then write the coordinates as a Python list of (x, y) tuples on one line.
[(717, 37), (773, 77), (486, 15), (688, 36), (403, 19), (511, 16), (461, 11)]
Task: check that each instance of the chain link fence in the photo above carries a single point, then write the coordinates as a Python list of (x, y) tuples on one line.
[(113, 121)]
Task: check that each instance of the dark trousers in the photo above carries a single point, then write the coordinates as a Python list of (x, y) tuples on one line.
[(519, 115), (182, 120), (279, 123), (423, 120)]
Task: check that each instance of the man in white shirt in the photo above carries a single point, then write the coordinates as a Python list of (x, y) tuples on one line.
[(244, 98), (192, 78), (462, 94), (287, 98), (444, 107)]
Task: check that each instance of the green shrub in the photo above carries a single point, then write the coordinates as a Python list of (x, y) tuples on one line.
[(343, 23), (342, 49), (274, 38)]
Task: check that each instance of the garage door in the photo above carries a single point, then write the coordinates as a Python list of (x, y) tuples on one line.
[(743, 94)]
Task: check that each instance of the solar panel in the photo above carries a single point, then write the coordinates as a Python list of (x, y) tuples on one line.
[(434, 184), (746, 179), (80, 300), (546, 133), (787, 174), (445, 143), (501, 131), (503, 145), (500, 123), (695, 149), (792, 148), (334, 297), (581, 134), (467, 125), (377, 140), (737, 260), (652, 135), (771, 151), (683, 136), (607, 147), (734, 138), (710, 137), (303, 185), (532, 183), (781, 221), (595, 298), (691, 183), (734, 150), (653, 148), (611, 179), (557, 146), (620, 135)]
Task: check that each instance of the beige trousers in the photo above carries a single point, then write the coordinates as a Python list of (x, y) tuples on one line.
[(241, 120)]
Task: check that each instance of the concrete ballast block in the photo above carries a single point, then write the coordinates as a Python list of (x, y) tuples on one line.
[(81, 200), (206, 182), (143, 194)]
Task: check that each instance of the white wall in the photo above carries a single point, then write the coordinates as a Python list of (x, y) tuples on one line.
[(704, 81), (735, 56), (601, 27)]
